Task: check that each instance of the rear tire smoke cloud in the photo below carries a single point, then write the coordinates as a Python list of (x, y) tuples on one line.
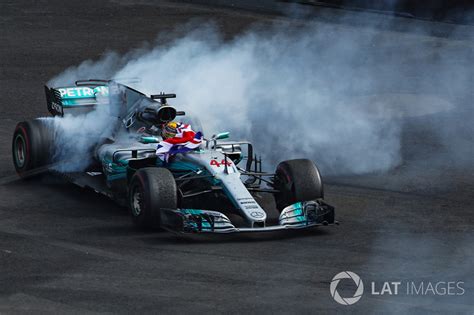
[(296, 91)]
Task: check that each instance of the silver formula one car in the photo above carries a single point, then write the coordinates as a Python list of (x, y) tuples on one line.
[(216, 188)]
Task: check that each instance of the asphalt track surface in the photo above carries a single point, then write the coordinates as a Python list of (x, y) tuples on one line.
[(67, 250)]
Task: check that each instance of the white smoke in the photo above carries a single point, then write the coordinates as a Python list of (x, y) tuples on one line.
[(293, 91), (75, 137)]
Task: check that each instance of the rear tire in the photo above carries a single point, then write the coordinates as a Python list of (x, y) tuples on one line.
[(151, 189), (32, 146), (297, 180)]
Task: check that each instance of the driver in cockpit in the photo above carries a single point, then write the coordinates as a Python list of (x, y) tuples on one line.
[(177, 138)]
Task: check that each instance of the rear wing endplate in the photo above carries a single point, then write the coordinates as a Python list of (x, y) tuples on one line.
[(53, 99)]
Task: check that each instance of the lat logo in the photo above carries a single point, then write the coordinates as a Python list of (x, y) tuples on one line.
[(222, 163), (390, 288), (357, 294)]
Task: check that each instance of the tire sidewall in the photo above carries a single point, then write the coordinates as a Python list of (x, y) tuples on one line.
[(20, 132), (158, 189), (38, 140), (297, 180), (138, 183)]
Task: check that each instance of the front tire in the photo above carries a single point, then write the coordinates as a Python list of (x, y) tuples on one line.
[(151, 189), (297, 180), (32, 145)]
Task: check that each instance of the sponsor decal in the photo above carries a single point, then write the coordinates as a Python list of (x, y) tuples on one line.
[(83, 92), (257, 214), (56, 107), (222, 163), (251, 207)]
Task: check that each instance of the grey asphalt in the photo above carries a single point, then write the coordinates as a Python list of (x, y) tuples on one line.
[(68, 250)]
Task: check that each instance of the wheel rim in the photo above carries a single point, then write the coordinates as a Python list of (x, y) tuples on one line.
[(20, 150), (137, 201)]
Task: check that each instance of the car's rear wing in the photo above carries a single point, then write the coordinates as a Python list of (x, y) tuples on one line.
[(61, 99), (87, 94)]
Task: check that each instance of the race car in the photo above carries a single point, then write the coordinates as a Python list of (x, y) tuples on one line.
[(218, 187)]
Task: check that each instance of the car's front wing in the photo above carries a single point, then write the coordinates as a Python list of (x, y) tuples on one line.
[(300, 215)]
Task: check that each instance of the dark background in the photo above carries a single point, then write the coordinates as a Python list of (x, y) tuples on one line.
[(438, 10)]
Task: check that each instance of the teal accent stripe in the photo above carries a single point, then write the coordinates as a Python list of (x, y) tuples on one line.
[(116, 176)]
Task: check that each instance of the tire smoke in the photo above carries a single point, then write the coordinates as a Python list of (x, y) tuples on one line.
[(337, 95)]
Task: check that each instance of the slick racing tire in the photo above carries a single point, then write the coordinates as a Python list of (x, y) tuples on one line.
[(151, 189), (32, 146), (297, 180)]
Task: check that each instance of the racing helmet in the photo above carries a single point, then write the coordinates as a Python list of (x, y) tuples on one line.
[(169, 130)]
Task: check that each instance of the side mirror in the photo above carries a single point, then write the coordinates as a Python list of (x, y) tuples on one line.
[(222, 135), (149, 140)]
